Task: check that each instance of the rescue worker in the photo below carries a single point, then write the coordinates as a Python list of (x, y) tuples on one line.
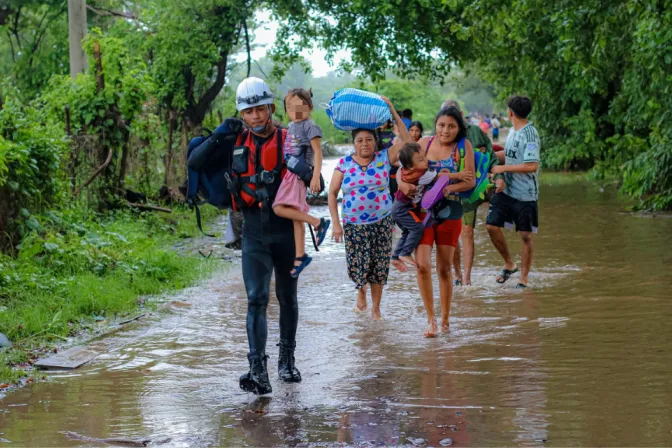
[(257, 168)]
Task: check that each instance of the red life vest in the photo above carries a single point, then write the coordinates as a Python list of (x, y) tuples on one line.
[(265, 168)]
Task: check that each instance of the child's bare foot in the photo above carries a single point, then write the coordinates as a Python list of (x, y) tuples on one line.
[(399, 265), (375, 314), (431, 331), (408, 260)]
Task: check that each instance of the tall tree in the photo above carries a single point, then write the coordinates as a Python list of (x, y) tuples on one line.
[(77, 27), (33, 40), (188, 47), (598, 72)]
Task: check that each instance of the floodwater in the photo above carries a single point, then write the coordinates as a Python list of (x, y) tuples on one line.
[(581, 358)]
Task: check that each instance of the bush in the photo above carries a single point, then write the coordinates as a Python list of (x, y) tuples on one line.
[(32, 154), (82, 264)]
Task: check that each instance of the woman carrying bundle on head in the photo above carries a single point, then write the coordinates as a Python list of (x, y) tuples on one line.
[(365, 222)]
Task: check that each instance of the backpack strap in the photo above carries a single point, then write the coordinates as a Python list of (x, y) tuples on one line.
[(199, 223), (281, 150), (237, 183), (461, 148), (243, 136)]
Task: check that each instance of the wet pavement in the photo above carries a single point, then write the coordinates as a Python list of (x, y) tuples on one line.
[(582, 358)]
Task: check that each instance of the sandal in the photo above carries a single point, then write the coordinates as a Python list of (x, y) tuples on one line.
[(521, 286), (305, 261), (322, 230), (506, 274)]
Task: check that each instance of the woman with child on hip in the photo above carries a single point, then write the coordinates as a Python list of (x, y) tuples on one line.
[(440, 153), (365, 222)]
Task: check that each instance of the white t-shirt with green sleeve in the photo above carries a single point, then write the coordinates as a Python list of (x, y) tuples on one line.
[(522, 146)]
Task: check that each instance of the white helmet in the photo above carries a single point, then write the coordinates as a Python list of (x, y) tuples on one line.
[(253, 92)]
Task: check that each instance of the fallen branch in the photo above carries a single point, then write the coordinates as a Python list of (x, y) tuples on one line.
[(150, 207), (131, 320), (96, 173)]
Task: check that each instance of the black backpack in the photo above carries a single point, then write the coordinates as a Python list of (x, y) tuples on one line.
[(208, 185)]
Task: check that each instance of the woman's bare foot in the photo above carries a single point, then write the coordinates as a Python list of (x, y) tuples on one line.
[(445, 327), (399, 265), (361, 304), (407, 259), (375, 314), (431, 331)]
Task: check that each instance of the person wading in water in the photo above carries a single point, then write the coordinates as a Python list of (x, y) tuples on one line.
[(442, 152), (268, 240), (517, 194), (480, 142)]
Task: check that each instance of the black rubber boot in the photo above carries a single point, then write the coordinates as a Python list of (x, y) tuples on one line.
[(286, 368), (256, 380)]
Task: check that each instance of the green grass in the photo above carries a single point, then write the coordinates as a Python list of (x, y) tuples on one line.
[(77, 265)]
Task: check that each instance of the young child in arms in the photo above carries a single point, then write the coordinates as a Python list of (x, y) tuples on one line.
[(414, 170), (303, 139)]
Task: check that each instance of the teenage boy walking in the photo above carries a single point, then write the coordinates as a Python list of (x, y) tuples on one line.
[(515, 201)]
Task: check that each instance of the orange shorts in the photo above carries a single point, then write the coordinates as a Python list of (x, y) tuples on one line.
[(445, 234)]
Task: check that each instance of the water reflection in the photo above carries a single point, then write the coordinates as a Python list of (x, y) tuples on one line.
[(580, 359)]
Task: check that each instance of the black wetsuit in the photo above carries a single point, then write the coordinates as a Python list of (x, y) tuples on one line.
[(268, 245)]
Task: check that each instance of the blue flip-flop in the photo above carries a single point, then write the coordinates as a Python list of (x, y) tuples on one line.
[(296, 270)]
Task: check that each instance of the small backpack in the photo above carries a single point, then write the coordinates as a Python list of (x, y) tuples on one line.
[(482, 163)]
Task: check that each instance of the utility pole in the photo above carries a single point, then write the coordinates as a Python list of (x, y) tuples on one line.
[(77, 27)]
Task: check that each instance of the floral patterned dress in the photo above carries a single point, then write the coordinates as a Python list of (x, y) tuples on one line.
[(367, 224)]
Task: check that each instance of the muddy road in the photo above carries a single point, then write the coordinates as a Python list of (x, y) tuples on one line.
[(581, 358)]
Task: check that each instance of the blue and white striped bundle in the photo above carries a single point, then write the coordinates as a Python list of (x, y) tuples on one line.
[(351, 109)]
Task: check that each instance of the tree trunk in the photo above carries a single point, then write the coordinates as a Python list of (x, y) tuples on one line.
[(77, 31), (105, 154), (195, 112), (123, 167), (145, 165), (182, 168), (168, 159)]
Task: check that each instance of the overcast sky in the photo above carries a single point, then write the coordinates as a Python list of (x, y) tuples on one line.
[(265, 37)]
